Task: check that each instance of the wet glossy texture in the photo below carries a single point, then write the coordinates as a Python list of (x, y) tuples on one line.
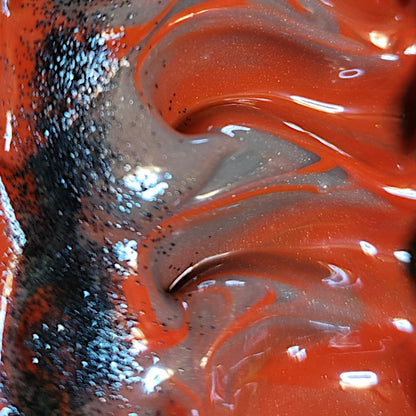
[(208, 207)]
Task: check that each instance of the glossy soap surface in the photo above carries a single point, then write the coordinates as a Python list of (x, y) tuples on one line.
[(208, 207)]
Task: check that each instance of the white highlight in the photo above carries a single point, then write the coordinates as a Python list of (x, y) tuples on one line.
[(185, 274), (410, 50), (5, 10), (358, 379), (207, 283), (146, 182), (315, 136), (297, 353), (403, 255), (350, 73), (199, 141), (188, 16), (318, 105), (17, 234), (337, 278), (138, 342), (235, 283), (137, 347), (126, 251), (232, 128), (403, 325), (407, 193), (107, 35), (368, 248), (208, 194), (203, 362), (389, 57), (154, 377), (379, 39), (9, 131), (7, 290), (18, 240)]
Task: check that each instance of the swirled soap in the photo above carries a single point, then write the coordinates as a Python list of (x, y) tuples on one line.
[(208, 207)]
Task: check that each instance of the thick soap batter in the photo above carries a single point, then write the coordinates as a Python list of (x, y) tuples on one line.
[(208, 207)]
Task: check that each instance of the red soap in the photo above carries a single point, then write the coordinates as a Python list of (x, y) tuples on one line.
[(208, 207)]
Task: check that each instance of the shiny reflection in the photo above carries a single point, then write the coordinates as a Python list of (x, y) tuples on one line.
[(9, 131), (206, 284), (6, 411), (204, 361), (403, 255), (346, 339), (368, 248), (351, 73), (208, 194), (199, 141), (188, 17), (407, 193), (262, 305), (138, 346), (232, 128), (389, 57), (318, 105), (316, 137), (358, 379), (7, 290), (410, 50), (235, 283), (379, 39), (154, 377), (126, 251), (297, 353), (4, 8), (147, 182), (403, 325), (192, 272), (337, 278), (18, 240)]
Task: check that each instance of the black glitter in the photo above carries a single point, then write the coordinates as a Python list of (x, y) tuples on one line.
[(71, 343)]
